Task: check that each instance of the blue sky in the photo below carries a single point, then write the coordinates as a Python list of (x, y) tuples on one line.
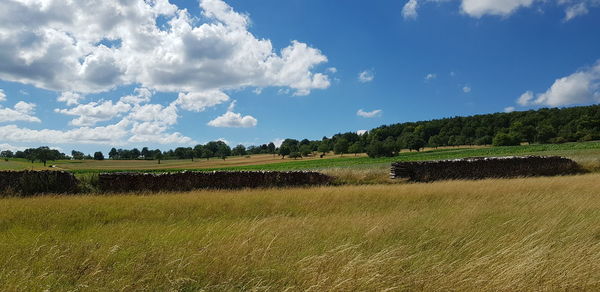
[(163, 74)]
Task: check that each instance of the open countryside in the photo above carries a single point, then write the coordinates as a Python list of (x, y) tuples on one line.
[(227, 145)]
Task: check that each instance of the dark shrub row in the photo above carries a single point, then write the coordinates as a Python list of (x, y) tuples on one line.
[(185, 181), (484, 167), (36, 182)]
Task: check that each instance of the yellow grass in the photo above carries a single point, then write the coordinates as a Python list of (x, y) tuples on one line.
[(535, 234)]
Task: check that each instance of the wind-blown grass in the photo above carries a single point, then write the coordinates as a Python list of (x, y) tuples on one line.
[(489, 235)]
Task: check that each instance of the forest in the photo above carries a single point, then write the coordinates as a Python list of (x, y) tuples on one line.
[(542, 126)]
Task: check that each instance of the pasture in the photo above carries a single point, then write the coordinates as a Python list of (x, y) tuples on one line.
[(489, 235), (585, 153)]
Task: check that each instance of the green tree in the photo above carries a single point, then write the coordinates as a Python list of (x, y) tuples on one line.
[(504, 139), (356, 148), (98, 156), (341, 146), (324, 148), (414, 142), (239, 150), (77, 155), (284, 150), (113, 154), (305, 150), (295, 155)]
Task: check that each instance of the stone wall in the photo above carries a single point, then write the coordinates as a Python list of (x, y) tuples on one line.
[(185, 181), (484, 167), (37, 182)]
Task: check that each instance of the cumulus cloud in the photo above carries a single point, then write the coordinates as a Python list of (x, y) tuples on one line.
[(525, 98), (233, 120), (2, 95), (141, 95), (70, 98), (366, 76), (22, 111), (112, 134), (409, 11), (62, 46), (199, 101), (94, 112), (466, 89), (509, 109), (5, 146), (480, 8), (581, 87), (371, 114)]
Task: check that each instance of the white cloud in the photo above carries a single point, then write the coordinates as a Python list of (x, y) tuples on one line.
[(2, 95), (409, 11), (22, 111), (581, 87), (141, 95), (430, 76), (509, 109), (479, 8), (5, 146), (371, 114), (70, 98), (164, 115), (62, 46), (466, 89), (278, 142), (504, 8), (366, 76), (332, 70), (95, 112), (525, 98), (575, 10), (199, 101), (112, 134), (233, 120), (361, 132)]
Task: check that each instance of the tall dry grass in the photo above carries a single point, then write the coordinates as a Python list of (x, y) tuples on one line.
[(536, 234)]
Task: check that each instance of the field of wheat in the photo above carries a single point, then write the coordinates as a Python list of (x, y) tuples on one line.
[(500, 235)]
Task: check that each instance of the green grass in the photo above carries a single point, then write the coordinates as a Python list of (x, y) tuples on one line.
[(536, 234), (19, 164), (586, 152)]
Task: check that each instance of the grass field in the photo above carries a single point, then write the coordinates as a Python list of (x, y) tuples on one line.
[(536, 234), (586, 153)]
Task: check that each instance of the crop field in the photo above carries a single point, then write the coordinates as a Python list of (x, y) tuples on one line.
[(490, 235), (585, 153)]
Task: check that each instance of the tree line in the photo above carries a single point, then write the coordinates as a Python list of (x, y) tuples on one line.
[(547, 125)]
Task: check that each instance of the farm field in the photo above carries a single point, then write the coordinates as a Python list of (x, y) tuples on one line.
[(490, 235), (585, 153)]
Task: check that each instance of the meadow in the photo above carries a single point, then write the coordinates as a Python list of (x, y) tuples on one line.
[(535, 234), (585, 153)]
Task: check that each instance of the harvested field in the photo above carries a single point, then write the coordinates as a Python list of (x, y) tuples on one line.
[(484, 167)]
